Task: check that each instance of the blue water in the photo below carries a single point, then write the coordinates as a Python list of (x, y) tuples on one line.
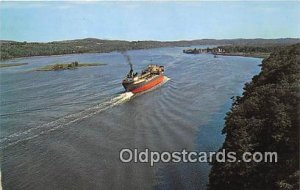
[(64, 129)]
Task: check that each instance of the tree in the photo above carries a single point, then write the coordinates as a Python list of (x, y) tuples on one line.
[(264, 119)]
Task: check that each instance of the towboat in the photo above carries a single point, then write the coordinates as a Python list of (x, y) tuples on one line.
[(148, 78)]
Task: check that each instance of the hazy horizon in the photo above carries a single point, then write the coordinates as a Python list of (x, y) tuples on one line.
[(144, 21), (148, 40)]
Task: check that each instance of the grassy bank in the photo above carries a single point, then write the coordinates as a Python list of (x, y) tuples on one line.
[(252, 54), (66, 66), (258, 51), (2, 65), (250, 50)]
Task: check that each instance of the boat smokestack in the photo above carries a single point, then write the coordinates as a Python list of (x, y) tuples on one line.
[(128, 60)]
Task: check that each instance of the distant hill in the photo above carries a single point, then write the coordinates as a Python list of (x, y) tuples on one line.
[(13, 49), (264, 119)]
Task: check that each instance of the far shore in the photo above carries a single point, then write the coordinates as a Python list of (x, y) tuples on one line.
[(254, 55), (52, 55), (14, 49), (3, 65)]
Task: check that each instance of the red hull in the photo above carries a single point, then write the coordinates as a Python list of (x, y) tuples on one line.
[(149, 85)]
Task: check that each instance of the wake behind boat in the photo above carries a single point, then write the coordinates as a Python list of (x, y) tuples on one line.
[(149, 77)]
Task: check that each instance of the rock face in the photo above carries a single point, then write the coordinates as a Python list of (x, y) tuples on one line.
[(264, 119)]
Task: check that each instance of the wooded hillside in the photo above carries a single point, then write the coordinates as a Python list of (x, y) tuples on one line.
[(12, 49), (264, 119)]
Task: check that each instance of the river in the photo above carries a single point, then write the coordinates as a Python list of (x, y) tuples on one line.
[(64, 129)]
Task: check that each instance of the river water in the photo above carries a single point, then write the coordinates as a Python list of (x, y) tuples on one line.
[(64, 129)]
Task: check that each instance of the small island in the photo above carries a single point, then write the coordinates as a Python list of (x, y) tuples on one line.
[(65, 66), (2, 65)]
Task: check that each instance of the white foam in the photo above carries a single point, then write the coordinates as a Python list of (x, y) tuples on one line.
[(69, 119), (66, 120), (166, 79)]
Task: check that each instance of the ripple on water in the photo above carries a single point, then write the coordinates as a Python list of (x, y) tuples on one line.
[(79, 121)]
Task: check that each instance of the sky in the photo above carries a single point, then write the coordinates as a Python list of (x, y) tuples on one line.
[(165, 21)]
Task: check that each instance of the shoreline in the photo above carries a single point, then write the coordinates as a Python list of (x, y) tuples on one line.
[(13, 49), (258, 55), (53, 55), (57, 55), (254, 55), (5, 65)]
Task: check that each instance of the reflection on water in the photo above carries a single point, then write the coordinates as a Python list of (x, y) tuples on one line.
[(64, 130)]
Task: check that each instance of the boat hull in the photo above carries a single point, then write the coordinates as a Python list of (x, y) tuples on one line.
[(143, 86)]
